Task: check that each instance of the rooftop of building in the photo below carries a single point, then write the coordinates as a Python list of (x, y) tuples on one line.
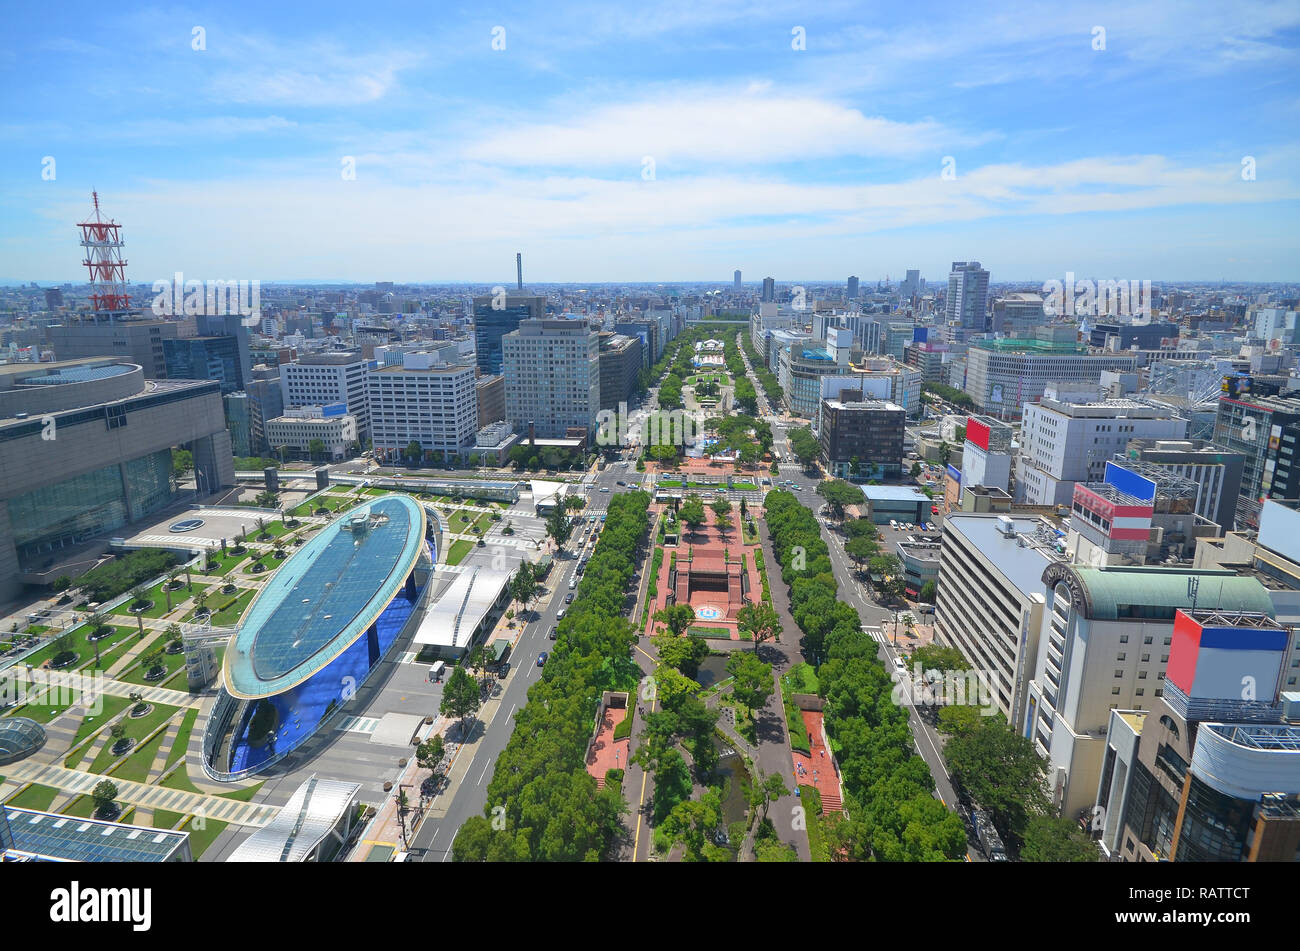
[(1148, 592), (1030, 345), (863, 405), (324, 596), (894, 493), (57, 837), (1021, 557)]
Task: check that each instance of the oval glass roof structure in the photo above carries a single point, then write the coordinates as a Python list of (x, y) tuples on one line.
[(325, 596), (19, 737)]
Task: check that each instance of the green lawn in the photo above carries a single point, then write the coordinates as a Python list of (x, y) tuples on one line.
[(34, 796), (801, 678), (111, 707), (83, 807), (136, 729), (458, 550), (136, 767), (84, 647), (182, 737), (162, 819), (710, 632), (224, 564), (229, 615), (173, 662), (484, 522), (200, 839)]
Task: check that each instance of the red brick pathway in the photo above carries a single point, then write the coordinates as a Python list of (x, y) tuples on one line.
[(817, 769)]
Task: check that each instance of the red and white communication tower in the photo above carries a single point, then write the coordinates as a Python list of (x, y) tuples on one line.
[(102, 240)]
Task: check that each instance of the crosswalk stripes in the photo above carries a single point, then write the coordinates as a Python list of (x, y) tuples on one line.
[(876, 634), (358, 724)]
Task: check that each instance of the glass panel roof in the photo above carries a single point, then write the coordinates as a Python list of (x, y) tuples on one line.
[(325, 595)]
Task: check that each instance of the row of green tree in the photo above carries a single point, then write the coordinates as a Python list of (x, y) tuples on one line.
[(950, 393), (542, 805), (890, 811)]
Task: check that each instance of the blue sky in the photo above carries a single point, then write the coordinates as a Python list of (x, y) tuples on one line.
[(227, 162)]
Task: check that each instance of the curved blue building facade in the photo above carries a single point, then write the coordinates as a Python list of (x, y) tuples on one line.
[(316, 633)]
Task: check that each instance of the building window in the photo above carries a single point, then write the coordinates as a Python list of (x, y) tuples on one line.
[(1121, 655), (1114, 690), (1123, 638), (1119, 673), (1147, 639)]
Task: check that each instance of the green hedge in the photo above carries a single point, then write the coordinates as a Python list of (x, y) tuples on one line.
[(812, 804), (123, 573), (624, 729)]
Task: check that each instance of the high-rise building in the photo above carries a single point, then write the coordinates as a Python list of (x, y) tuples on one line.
[(735, 281), (620, 368), (853, 288), (321, 379), (1211, 773), (769, 289), (1264, 429), (108, 463), (552, 371), (426, 401), (912, 285), (491, 392), (138, 341), (1063, 443), (800, 369), (496, 315), (968, 292), (861, 438), (1106, 644), (207, 358), (1217, 474)]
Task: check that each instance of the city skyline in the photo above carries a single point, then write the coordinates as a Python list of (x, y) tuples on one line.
[(783, 143)]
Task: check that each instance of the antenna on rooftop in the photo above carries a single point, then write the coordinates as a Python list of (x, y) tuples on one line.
[(1193, 586)]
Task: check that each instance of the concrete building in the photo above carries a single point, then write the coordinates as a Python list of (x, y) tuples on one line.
[(1105, 645), (132, 341), (85, 448), (1264, 430), (800, 370), (1005, 374), (861, 438), (967, 302), (1118, 336), (1207, 776), (900, 503), (321, 379), (552, 371), (990, 598), (1018, 314), (491, 393), (298, 428), (879, 378), (620, 368), (1063, 443), (265, 401), (1217, 474), (769, 289), (424, 401), (496, 315), (920, 564), (986, 454), (851, 292)]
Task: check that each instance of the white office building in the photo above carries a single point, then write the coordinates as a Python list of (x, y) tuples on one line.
[(991, 596), (1063, 443), (321, 379), (425, 401), (552, 371), (298, 428)]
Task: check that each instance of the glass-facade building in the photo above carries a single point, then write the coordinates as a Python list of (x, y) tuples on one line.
[(492, 323), (206, 358), (316, 632), (66, 513)]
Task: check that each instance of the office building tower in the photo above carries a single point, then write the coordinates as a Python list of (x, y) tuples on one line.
[(735, 281), (852, 293), (552, 371), (1005, 374), (967, 300), (769, 290), (1264, 430), (861, 438), (425, 401), (496, 315), (1063, 443), (491, 391), (1217, 474), (135, 341), (318, 433), (620, 368), (321, 379)]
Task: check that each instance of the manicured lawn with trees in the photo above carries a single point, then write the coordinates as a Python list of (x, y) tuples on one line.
[(136, 730), (34, 796)]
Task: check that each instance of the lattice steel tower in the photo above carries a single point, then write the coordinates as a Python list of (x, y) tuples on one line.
[(102, 240)]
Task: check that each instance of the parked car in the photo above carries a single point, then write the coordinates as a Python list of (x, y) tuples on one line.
[(502, 670)]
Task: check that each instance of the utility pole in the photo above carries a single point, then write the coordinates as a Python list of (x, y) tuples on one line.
[(400, 797)]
